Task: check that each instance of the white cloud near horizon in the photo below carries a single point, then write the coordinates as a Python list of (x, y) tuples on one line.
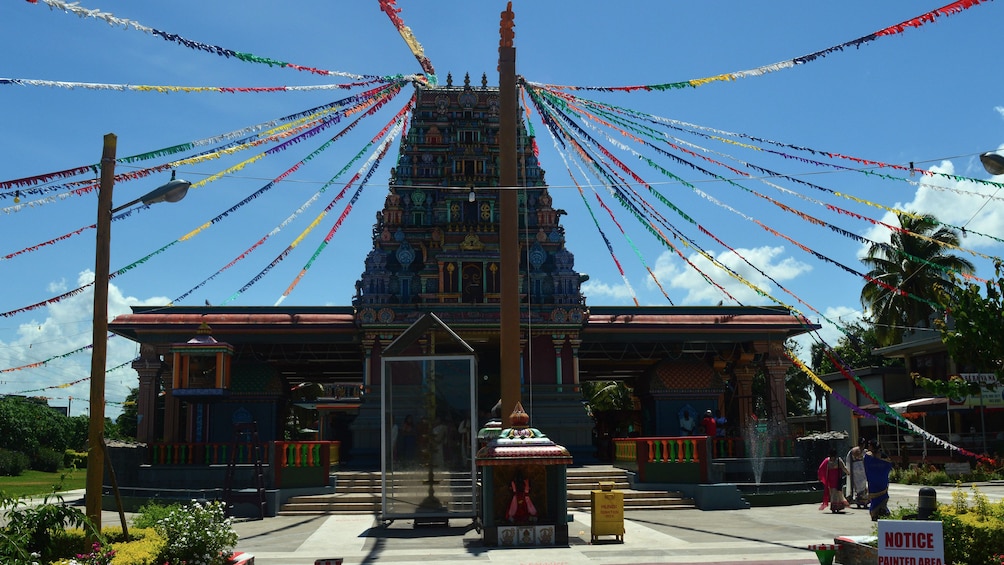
[(67, 326)]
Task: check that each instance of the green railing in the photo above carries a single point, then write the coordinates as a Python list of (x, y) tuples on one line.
[(303, 463), (287, 453), (187, 453), (685, 459)]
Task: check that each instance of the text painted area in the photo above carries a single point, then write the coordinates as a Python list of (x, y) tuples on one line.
[(910, 542)]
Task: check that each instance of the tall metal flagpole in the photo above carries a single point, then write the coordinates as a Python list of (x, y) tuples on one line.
[(509, 220)]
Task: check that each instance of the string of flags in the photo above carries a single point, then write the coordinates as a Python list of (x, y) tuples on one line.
[(303, 207), (107, 17), (390, 8), (215, 220), (168, 89), (556, 113), (895, 29)]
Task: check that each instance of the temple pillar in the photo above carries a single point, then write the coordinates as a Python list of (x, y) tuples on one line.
[(575, 343), (559, 344), (744, 395), (148, 366), (776, 364), (368, 341)]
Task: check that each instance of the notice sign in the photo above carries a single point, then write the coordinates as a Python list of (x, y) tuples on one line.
[(910, 542)]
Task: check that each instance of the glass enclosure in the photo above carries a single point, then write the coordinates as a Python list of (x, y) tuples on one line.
[(428, 445)]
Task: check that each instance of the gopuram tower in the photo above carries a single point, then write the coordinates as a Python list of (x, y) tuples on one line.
[(436, 249)]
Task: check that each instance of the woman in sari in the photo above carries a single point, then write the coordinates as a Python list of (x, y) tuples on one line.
[(829, 474), (877, 468), (858, 481)]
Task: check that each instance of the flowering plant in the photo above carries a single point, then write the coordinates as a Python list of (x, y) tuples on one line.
[(99, 555), (197, 534)]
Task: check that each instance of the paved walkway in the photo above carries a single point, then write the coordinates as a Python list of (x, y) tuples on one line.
[(754, 536), (758, 536)]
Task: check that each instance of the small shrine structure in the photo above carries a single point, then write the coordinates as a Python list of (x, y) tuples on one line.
[(524, 492)]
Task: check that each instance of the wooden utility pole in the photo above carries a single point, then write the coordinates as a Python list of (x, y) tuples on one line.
[(509, 220), (99, 347)]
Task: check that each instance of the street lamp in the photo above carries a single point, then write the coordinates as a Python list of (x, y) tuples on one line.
[(173, 191), (993, 162)]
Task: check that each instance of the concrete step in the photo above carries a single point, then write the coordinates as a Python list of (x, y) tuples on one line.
[(359, 492)]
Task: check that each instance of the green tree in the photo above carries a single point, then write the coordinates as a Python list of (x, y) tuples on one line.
[(607, 395), (974, 341), (797, 385), (908, 274), (128, 420), (854, 348), (29, 424)]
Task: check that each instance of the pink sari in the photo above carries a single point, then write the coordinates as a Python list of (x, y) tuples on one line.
[(833, 495)]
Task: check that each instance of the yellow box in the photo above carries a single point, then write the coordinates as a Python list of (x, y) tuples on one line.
[(607, 512)]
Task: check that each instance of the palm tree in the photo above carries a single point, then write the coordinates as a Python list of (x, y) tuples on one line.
[(918, 268)]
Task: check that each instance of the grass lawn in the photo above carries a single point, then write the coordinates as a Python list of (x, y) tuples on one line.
[(37, 483)]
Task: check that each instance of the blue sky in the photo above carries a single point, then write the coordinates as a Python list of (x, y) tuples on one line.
[(930, 96)]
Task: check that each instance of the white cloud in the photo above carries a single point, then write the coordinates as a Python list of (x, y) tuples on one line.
[(67, 326), (598, 292), (829, 332), (768, 261), (964, 203)]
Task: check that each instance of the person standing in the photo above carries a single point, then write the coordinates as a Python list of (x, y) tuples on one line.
[(687, 424), (877, 468), (720, 422), (829, 474), (857, 481), (709, 424)]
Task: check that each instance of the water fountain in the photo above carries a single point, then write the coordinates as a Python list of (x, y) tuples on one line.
[(769, 474), (758, 436)]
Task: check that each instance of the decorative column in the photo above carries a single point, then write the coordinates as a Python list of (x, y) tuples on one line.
[(575, 343), (148, 366), (368, 341), (559, 344), (744, 394)]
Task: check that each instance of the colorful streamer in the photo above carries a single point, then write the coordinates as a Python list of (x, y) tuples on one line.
[(918, 21), (107, 17), (163, 89), (303, 207), (372, 163), (390, 8), (247, 135)]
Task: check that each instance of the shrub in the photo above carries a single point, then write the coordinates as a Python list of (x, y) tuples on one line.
[(152, 512), (144, 548), (197, 533), (47, 460), (29, 529), (13, 463), (973, 528), (75, 459)]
